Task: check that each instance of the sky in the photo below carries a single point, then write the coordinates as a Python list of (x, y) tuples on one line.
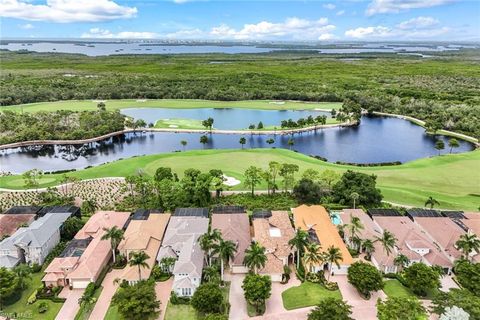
[(324, 21)]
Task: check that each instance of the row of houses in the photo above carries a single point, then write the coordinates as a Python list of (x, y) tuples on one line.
[(427, 236)]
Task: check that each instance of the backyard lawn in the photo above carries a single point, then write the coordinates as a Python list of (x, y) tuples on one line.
[(23, 310), (393, 288), (306, 295), (180, 311), (410, 183), (112, 313)]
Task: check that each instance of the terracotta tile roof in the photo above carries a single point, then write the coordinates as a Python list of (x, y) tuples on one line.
[(409, 236), (234, 227), (9, 223), (317, 218), (273, 233)]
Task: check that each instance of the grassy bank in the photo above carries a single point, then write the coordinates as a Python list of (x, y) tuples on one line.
[(179, 123), (451, 179), (78, 105), (306, 295)]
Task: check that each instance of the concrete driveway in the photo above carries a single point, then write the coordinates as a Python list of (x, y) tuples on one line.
[(70, 307), (447, 283), (109, 289), (238, 304), (163, 289), (361, 308), (274, 305)]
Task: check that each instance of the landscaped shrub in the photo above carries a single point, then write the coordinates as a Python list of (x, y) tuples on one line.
[(332, 286), (278, 201), (120, 262), (36, 267), (175, 299), (42, 307), (300, 272), (317, 277), (33, 297)]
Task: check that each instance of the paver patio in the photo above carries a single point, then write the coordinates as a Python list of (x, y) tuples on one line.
[(163, 290), (70, 307), (447, 283)]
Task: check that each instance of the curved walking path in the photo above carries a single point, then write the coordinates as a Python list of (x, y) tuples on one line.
[(174, 130)]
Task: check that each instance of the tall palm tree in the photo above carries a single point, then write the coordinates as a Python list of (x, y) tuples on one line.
[(255, 257), (312, 255), (468, 243), (207, 243), (210, 274), (354, 196), (115, 235), (431, 202), (368, 247), (387, 240), (226, 250), (24, 272), (354, 226), (184, 144), (333, 255), (401, 261), (299, 242), (138, 259)]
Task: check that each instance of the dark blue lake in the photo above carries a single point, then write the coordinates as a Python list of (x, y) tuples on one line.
[(376, 139)]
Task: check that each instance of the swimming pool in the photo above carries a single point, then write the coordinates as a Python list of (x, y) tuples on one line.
[(335, 218)]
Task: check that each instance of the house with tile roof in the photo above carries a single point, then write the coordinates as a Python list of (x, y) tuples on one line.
[(236, 228), (144, 233), (87, 254), (273, 231), (414, 242), (32, 244), (371, 230), (316, 220), (9, 223), (181, 243)]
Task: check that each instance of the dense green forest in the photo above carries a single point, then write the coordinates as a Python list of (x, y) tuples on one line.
[(444, 91)]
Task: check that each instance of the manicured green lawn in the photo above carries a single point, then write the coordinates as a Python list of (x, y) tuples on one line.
[(180, 311), (112, 313), (307, 294), (179, 123), (451, 179), (393, 288), (30, 311), (85, 310), (77, 105)]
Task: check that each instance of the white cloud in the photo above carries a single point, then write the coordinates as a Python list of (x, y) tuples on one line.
[(326, 36), (27, 26), (340, 13), (395, 6), (329, 6), (107, 34), (186, 34), (369, 32), (418, 23), (291, 28), (65, 11)]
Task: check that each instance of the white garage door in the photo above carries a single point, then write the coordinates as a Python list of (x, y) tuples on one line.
[(80, 284)]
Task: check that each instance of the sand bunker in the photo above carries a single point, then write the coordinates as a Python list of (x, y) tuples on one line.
[(230, 181), (173, 126)]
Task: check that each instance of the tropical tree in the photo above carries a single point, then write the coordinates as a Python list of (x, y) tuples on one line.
[(453, 143), (290, 143), (431, 202), (368, 247), (208, 124), (387, 240), (331, 309), (299, 242), (354, 196), (253, 177), (225, 249), (257, 289), (255, 257), (439, 145), (138, 259), (242, 141), (401, 261), (312, 255), (204, 140), (184, 144), (467, 243), (207, 298), (354, 226), (207, 243), (421, 278), (23, 272), (167, 263), (137, 302), (88, 207), (115, 235), (400, 308), (9, 283), (333, 255), (365, 277), (32, 177), (211, 274)]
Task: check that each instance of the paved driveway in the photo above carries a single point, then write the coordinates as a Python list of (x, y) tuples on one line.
[(70, 307), (361, 308), (447, 283), (109, 289), (238, 304), (274, 305), (163, 290)]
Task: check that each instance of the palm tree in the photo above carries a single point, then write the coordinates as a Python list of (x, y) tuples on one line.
[(431, 202), (290, 143), (354, 196), (204, 140), (255, 257), (115, 235), (299, 242), (138, 259), (387, 240), (207, 243), (23, 272), (242, 141), (210, 274), (333, 255), (354, 226), (368, 247), (467, 243), (226, 250), (184, 144), (401, 261), (312, 255), (453, 143)]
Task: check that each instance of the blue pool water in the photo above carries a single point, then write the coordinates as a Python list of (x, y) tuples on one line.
[(336, 219)]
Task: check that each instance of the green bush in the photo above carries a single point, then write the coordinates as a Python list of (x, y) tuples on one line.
[(36, 268), (33, 297), (278, 201), (42, 307), (175, 299)]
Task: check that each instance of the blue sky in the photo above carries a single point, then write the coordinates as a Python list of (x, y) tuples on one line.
[(368, 20)]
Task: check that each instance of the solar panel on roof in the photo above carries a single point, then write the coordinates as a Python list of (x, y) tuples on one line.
[(427, 213), (228, 209), (191, 212), (261, 213), (383, 212)]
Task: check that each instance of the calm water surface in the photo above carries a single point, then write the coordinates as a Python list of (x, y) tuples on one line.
[(375, 140)]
